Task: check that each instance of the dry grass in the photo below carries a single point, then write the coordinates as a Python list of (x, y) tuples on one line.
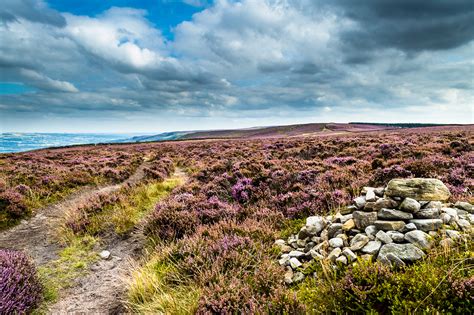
[(150, 290)]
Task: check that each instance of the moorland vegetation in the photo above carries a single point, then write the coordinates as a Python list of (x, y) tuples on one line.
[(210, 239)]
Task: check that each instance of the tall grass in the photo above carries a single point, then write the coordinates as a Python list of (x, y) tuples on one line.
[(151, 291)]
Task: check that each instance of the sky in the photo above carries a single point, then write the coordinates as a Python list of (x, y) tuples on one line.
[(166, 65)]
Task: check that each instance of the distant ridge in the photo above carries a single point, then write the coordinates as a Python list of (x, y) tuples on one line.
[(173, 135), (404, 125), (260, 132), (279, 131)]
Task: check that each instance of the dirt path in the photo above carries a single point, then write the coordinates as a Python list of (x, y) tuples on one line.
[(102, 290), (35, 236)]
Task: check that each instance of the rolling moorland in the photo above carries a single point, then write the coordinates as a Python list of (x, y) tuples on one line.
[(312, 129), (190, 226)]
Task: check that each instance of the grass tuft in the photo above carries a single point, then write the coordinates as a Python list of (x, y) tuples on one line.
[(149, 291)]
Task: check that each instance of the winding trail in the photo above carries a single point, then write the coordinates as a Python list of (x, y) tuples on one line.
[(35, 236), (101, 290)]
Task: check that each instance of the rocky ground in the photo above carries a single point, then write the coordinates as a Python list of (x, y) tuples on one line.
[(394, 225)]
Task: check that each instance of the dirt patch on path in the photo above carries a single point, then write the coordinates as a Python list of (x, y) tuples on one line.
[(102, 290), (35, 236)]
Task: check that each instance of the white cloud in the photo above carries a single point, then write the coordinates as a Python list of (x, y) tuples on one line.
[(119, 36), (248, 35), (43, 82)]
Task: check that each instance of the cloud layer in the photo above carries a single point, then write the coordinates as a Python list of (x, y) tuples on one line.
[(237, 63)]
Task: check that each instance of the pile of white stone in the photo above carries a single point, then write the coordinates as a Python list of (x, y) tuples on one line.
[(393, 225)]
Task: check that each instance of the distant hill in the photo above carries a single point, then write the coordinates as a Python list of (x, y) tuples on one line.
[(261, 132), (404, 125), (312, 129), (173, 135)]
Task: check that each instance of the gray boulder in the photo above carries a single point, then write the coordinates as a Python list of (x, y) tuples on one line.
[(453, 234), (383, 237), (446, 243), (391, 214), (364, 219), (453, 213), (336, 242), (466, 206), (464, 224), (370, 195), (446, 218), (418, 189), (315, 224), (419, 238), (405, 252), (379, 191), (359, 202), (351, 256), (105, 254), (370, 206), (429, 213), (385, 203), (409, 227), (371, 231), (341, 260), (359, 241), (284, 260), (303, 233), (433, 204), (397, 237), (371, 248), (295, 263), (427, 224), (334, 229), (389, 225), (296, 253), (410, 205), (391, 260), (336, 252)]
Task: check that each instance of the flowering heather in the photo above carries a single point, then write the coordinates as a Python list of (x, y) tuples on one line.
[(388, 150), (242, 189), (12, 203), (20, 289), (218, 228), (343, 160)]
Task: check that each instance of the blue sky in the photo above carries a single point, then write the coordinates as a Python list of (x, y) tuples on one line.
[(165, 15), (153, 66)]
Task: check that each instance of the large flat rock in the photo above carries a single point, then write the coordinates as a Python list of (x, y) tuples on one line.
[(418, 189), (406, 252)]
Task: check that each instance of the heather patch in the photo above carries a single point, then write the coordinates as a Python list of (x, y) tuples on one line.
[(20, 288)]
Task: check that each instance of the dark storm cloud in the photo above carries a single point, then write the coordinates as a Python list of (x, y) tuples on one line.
[(35, 11), (408, 25)]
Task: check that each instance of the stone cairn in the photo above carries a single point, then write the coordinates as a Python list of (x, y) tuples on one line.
[(393, 225)]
